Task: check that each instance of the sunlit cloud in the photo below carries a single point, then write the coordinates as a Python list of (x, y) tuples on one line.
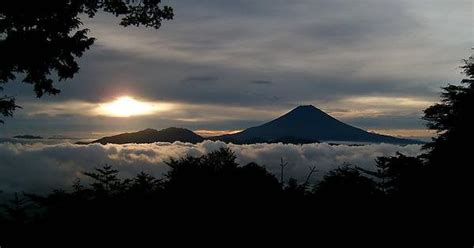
[(390, 101), (373, 106), (126, 106), (414, 133), (210, 133), (59, 108)]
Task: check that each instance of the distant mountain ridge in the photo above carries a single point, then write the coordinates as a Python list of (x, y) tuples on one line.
[(308, 123), (149, 135), (302, 125), (27, 136)]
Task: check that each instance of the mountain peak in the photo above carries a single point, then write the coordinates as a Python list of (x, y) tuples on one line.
[(309, 107), (306, 122), (149, 130), (304, 113), (175, 129), (306, 109), (149, 135)]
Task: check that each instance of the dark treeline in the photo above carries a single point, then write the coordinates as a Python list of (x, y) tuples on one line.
[(212, 188)]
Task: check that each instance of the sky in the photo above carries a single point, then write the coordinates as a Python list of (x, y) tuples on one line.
[(222, 66)]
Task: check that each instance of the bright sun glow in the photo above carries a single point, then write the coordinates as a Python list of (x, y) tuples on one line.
[(126, 106)]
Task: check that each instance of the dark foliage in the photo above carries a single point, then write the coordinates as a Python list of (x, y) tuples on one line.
[(39, 38), (399, 176), (217, 177), (7, 106), (449, 154), (346, 184), (193, 185), (443, 172), (211, 192), (16, 211)]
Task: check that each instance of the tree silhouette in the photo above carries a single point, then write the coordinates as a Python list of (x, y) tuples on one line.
[(283, 164), (106, 182), (451, 118), (346, 184), (214, 189), (145, 183), (216, 176), (449, 154), (39, 38), (443, 171), (312, 169), (7, 106), (196, 187), (399, 176), (16, 210)]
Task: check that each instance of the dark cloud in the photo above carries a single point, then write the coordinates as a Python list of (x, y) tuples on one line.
[(200, 79), (261, 82)]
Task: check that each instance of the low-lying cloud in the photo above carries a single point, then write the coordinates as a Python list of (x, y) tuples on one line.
[(42, 167)]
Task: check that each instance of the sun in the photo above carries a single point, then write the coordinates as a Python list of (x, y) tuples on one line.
[(126, 106)]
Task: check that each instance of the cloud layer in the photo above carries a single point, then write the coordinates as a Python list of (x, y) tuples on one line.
[(41, 167)]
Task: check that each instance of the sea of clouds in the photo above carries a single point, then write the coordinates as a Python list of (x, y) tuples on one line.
[(40, 167)]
